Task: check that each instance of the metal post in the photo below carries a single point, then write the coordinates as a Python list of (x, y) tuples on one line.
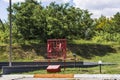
[(10, 52), (74, 59), (100, 68), (100, 64), (64, 64)]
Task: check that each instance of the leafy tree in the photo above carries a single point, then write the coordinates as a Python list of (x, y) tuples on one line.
[(32, 21), (66, 21), (116, 22), (23, 18), (55, 19), (2, 27), (110, 25), (4, 32), (107, 29)]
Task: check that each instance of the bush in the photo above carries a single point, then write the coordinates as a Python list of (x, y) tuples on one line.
[(105, 37)]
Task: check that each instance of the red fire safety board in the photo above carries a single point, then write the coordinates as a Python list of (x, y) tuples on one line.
[(56, 48)]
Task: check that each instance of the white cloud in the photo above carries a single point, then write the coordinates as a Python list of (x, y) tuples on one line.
[(99, 7), (61, 1), (58, 1), (108, 12), (48, 1), (14, 1), (96, 4)]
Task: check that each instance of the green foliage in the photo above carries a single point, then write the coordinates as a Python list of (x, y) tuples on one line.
[(4, 34), (32, 21), (116, 23), (105, 37), (2, 27), (107, 29), (24, 21)]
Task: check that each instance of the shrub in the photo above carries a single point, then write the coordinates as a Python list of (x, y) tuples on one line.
[(105, 37)]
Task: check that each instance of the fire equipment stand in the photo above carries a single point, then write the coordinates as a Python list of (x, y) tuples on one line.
[(56, 48)]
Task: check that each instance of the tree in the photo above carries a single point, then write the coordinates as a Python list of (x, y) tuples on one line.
[(24, 18), (32, 21), (69, 21), (2, 27), (103, 23), (116, 22), (55, 19)]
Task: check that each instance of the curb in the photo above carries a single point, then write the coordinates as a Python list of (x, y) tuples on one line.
[(53, 76)]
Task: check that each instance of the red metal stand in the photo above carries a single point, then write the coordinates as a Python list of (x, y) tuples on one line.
[(56, 48)]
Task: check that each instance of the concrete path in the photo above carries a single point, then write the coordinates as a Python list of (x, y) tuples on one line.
[(76, 77), (97, 76)]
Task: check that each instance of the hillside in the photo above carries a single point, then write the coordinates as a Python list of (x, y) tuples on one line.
[(83, 50), (86, 51)]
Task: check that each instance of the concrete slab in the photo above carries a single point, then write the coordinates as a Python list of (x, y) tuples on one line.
[(29, 77), (97, 76), (76, 77), (45, 79), (15, 77)]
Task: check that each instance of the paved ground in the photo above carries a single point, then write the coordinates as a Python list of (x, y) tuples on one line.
[(97, 76), (76, 77), (28, 77)]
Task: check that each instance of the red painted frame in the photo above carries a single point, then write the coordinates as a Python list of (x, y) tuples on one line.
[(56, 48)]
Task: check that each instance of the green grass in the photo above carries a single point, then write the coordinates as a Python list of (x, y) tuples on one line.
[(86, 51), (113, 69)]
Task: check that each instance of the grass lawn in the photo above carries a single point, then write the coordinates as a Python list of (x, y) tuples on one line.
[(113, 69), (86, 51), (111, 57)]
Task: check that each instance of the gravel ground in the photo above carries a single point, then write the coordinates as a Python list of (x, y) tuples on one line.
[(76, 77)]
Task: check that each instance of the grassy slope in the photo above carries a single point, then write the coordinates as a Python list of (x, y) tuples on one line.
[(91, 51), (111, 54), (85, 50)]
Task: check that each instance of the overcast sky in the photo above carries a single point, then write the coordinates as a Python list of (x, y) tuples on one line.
[(97, 7)]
